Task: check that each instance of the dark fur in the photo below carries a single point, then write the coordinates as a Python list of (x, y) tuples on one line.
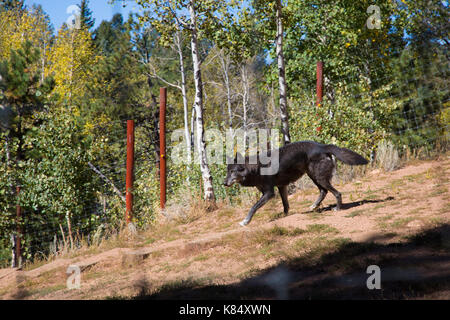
[(295, 159)]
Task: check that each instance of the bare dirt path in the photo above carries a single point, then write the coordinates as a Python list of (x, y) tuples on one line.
[(387, 217)]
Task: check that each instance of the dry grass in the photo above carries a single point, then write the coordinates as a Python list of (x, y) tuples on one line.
[(387, 156), (186, 207), (209, 246)]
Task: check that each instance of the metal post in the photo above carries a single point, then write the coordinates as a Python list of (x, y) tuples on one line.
[(130, 171), (18, 255), (319, 86), (162, 145)]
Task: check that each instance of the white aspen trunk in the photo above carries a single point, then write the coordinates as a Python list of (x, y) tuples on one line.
[(366, 75), (274, 106), (329, 90), (184, 95), (69, 227), (192, 129), (225, 66), (43, 64), (71, 65), (282, 77), (198, 105), (245, 94), (7, 150)]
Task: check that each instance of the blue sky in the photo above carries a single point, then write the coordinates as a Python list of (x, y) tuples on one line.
[(101, 9)]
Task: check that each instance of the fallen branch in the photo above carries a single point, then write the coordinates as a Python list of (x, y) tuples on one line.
[(105, 178), (63, 236)]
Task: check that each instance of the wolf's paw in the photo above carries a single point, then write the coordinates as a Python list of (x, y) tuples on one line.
[(243, 223), (336, 209), (313, 207)]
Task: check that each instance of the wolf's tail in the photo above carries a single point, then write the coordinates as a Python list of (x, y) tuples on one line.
[(346, 155)]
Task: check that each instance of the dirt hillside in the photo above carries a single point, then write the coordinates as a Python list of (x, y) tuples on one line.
[(399, 221)]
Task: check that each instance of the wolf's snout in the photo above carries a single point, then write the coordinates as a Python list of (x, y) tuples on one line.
[(228, 182)]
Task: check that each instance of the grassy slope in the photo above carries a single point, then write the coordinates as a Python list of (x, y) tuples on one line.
[(399, 221)]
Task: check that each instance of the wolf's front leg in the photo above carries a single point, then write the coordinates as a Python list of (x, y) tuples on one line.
[(267, 195), (284, 198)]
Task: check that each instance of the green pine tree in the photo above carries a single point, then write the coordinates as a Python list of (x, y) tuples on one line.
[(86, 19), (118, 83), (11, 4), (22, 93), (22, 90)]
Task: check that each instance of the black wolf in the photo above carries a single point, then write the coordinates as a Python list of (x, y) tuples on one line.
[(294, 160)]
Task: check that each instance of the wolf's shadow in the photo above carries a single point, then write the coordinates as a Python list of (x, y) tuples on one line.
[(346, 206)]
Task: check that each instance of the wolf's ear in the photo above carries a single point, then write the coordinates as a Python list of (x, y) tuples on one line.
[(239, 158)]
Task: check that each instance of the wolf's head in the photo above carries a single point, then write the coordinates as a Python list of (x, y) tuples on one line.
[(236, 170)]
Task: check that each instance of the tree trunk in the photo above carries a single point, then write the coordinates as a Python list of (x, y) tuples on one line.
[(368, 80), (71, 65), (69, 227), (8, 155), (107, 180), (192, 128), (198, 106), (245, 94), (184, 94), (225, 67), (282, 77), (43, 65), (154, 127)]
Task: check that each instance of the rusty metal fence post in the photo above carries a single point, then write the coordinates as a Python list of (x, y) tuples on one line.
[(319, 88), (319, 85), (162, 145), (130, 171), (17, 263)]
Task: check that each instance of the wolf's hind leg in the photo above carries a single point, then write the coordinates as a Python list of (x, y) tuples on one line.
[(322, 195), (319, 200), (284, 198), (337, 194), (321, 173)]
